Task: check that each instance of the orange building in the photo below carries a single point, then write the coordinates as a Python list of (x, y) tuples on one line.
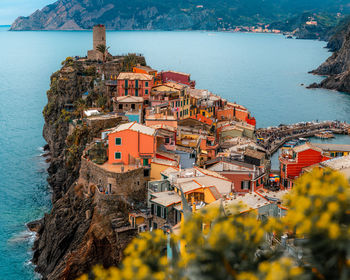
[(235, 112), (145, 70), (132, 143)]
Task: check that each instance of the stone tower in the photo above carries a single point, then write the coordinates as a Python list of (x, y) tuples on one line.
[(99, 38)]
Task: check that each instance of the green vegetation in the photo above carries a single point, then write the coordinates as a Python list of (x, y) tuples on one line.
[(129, 62), (212, 245), (69, 61)]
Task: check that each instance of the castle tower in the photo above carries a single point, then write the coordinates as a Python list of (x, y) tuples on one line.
[(99, 36)]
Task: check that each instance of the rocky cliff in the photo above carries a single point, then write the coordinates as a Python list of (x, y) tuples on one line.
[(337, 67), (84, 228)]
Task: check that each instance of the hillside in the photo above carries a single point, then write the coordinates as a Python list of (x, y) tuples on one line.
[(337, 67), (168, 14)]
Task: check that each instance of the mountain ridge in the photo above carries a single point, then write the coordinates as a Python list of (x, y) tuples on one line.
[(167, 14)]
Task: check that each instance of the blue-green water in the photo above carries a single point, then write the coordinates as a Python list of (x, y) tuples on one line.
[(262, 72)]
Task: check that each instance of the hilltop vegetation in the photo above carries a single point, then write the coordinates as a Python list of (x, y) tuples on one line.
[(170, 15)]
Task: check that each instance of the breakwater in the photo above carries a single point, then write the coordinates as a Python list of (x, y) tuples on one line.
[(275, 137)]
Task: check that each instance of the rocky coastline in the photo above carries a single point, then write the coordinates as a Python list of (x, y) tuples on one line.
[(337, 66), (81, 230)]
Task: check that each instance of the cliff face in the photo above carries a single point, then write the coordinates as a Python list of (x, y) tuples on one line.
[(80, 232), (83, 228), (337, 68)]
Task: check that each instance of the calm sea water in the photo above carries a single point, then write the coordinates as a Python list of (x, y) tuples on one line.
[(262, 72)]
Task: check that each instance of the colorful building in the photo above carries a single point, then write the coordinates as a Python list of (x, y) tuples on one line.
[(174, 96), (244, 176), (294, 160), (132, 144), (144, 70), (135, 84), (177, 77), (131, 106), (235, 112)]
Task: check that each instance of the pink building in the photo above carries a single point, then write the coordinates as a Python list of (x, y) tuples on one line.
[(177, 77), (135, 84)]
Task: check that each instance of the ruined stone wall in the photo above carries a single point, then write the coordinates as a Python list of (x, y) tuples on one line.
[(123, 184)]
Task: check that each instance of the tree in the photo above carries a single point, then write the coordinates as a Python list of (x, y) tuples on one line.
[(103, 49), (80, 107)]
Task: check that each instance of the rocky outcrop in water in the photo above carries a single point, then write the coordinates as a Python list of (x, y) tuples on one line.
[(337, 68)]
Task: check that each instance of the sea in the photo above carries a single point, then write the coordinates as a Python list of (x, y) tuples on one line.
[(264, 72)]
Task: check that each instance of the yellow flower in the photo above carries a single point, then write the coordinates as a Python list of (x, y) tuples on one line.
[(334, 231)]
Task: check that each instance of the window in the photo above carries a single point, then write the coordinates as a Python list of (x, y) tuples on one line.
[(152, 209), (117, 155), (167, 140), (159, 211), (245, 185), (126, 92), (181, 103), (136, 83), (164, 212), (145, 162), (146, 91), (133, 106), (146, 84), (120, 106), (203, 114), (126, 83), (284, 168), (136, 92), (118, 141)]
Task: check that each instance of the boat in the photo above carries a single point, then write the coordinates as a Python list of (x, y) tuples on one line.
[(325, 135), (303, 139)]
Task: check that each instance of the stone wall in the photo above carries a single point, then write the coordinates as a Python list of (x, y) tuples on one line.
[(123, 184)]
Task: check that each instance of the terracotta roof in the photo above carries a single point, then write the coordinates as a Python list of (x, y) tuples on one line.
[(134, 126), (134, 76)]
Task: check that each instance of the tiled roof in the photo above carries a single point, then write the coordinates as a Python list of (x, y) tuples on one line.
[(215, 192), (305, 147), (332, 147), (134, 126), (254, 154), (166, 198), (337, 163), (134, 76)]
